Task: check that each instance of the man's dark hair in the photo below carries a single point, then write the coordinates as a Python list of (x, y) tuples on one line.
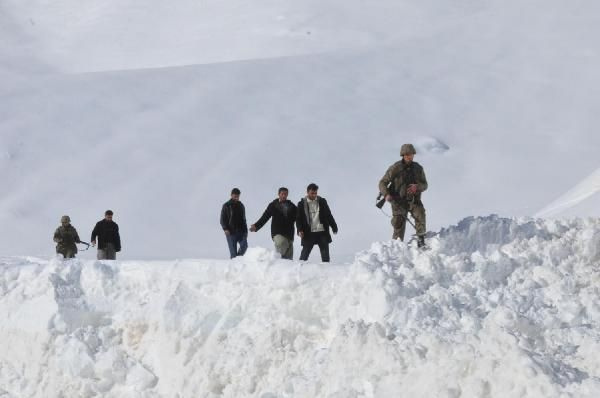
[(282, 189), (235, 191), (312, 187), (108, 213)]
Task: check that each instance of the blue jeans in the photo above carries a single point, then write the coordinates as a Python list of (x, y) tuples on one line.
[(235, 239)]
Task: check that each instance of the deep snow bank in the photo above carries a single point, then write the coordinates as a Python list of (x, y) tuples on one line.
[(496, 308)]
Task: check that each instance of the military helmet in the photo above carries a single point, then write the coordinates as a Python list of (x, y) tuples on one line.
[(65, 219), (407, 149)]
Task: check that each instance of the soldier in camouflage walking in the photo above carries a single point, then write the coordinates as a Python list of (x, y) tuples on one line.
[(402, 185), (66, 237)]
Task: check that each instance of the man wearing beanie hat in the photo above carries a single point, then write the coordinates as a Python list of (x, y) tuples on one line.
[(66, 237), (402, 185)]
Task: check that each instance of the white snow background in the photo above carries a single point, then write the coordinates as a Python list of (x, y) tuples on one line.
[(157, 109)]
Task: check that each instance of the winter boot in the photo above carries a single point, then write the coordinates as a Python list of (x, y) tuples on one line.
[(421, 241)]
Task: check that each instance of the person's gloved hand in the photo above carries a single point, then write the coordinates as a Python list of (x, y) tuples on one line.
[(412, 189)]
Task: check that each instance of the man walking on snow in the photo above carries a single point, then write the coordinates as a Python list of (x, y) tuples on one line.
[(402, 185), (283, 212), (313, 222), (233, 222), (109, 240), (66, 237)]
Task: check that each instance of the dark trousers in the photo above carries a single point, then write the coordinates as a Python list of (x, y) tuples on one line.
[(237, 238), (312, 239)]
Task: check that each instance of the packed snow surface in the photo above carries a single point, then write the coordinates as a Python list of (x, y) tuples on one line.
[(496, 308)]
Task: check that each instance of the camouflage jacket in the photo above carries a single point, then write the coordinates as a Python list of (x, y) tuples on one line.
[(399, 176), (65, 238)]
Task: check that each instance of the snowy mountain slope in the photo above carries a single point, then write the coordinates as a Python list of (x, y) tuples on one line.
[(508, 88), (134, 34), (497, 308), (163, 147)]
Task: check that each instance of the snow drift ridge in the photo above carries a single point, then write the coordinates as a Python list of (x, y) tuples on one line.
[(496, 308)]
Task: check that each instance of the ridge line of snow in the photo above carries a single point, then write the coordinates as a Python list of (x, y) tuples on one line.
[(580, 192), (341, 50)]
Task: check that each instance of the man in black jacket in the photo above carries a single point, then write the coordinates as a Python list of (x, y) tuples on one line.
[(283, 212), (109, 241), (313, 222), (233, 222)]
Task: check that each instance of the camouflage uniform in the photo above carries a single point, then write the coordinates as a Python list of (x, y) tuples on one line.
[(65, 237), (395, 183)]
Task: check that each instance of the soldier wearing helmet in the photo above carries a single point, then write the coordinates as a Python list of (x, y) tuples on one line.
[(402, 185), (66, 237)]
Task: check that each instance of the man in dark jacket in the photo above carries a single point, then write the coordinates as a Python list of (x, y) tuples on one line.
[(283, 212), (313, 222), (66, 237), (233, 222), (109, 240)]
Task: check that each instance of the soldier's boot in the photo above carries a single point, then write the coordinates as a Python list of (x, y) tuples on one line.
[(421, 241)]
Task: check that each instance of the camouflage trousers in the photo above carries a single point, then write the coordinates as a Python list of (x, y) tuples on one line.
[(67, 253), (400, 212)]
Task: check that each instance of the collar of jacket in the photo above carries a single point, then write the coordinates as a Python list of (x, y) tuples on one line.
[(318, 199), (412, 164)]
